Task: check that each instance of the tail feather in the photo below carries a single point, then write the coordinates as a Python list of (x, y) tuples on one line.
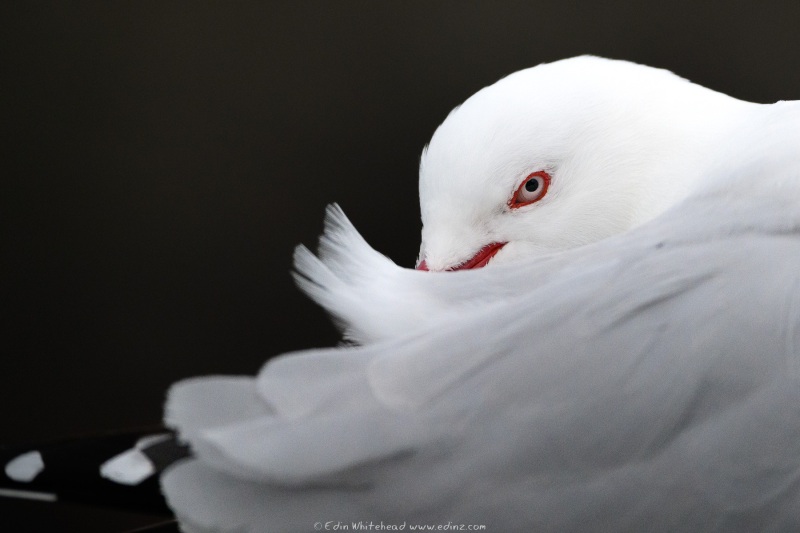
[(361, 288)]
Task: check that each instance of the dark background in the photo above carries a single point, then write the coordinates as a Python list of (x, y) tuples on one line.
[(160, 160)]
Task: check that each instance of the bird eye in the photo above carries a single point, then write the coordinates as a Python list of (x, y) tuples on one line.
[(531, 190)]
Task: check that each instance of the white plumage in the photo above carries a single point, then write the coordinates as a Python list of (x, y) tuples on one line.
[(629, 361)]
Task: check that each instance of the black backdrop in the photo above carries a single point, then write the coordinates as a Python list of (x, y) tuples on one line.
[(161, 160)]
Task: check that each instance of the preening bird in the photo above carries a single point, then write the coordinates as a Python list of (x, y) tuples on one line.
[(602, 332)]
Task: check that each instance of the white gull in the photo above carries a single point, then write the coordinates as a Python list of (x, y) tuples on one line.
[(629, 360)]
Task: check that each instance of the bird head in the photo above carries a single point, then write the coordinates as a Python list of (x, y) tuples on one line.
[(561, 155)]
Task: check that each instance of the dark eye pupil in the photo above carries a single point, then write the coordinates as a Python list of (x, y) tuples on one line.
[(531, 185)]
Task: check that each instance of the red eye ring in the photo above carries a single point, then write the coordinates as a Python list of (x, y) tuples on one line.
[(515, 202)]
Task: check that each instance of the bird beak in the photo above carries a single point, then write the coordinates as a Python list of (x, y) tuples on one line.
[(478, 260)]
